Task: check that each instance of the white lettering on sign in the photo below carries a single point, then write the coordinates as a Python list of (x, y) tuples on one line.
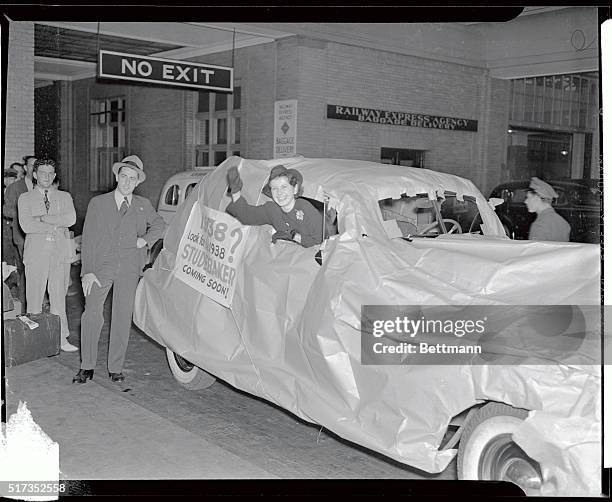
[(177, 73), (128, 66), (145, 68), (142, 68), (398, 118), (167, 71)]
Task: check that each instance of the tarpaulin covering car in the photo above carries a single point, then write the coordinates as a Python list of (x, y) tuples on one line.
[(285, 322)]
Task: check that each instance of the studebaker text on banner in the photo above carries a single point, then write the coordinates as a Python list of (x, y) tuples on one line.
[(209, 252)]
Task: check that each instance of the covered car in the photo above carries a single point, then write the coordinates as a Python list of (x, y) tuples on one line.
[(286, 323)]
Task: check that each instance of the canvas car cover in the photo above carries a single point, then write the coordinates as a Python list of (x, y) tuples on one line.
[(292, 334)]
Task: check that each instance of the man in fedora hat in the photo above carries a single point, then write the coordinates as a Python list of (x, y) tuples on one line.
[(294, 219), (549, 225), (118, 227)]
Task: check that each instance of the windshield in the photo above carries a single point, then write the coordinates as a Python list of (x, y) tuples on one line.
[(417, 216)]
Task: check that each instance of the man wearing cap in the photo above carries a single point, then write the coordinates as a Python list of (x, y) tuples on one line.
[(294, 219), (45, 214), (118, 227), (548, 225)]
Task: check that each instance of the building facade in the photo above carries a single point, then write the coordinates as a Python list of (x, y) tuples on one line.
[(479, 101)]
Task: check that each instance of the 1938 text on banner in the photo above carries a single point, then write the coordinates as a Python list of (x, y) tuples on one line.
[(209, 253)]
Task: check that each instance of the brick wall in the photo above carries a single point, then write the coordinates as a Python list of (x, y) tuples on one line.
[(494, 169), (156, 132), (19, 139), (255, 71), (317, 72), (331, 73)]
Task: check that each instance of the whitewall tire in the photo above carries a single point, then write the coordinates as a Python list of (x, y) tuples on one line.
[(487, 451), (187, 374)]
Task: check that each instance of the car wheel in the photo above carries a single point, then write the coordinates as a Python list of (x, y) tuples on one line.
[(187, 374), (487, 451)]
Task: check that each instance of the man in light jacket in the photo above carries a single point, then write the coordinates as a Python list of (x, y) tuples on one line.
[(45, 213)]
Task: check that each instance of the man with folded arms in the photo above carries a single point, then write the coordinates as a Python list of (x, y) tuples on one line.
[(45, 213)]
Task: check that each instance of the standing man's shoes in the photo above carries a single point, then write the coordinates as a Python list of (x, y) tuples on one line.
[(116, 377), (82, 376)]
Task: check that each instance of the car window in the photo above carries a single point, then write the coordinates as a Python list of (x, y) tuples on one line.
[(585, 196), (465, 212), (331, 217), (562, 200), (415, 216), (519, 195), (189, 188), (172, 195), (411, 214)]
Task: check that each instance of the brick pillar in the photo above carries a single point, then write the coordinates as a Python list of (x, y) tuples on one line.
[(189, 108), (20, 93)]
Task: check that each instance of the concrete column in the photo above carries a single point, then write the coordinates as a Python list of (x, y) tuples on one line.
[(577, 155), (20, 92), (66, 134)]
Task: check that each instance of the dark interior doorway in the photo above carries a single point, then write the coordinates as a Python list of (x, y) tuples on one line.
[(402, 156)]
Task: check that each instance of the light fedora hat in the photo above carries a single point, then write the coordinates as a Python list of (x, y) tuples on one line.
[(135, 163)]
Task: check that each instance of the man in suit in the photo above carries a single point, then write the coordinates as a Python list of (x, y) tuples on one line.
[(45, 213), (118, 227), (9, 210)]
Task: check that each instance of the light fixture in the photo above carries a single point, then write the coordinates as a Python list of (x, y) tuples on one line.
[(510, 131), (564, 152)]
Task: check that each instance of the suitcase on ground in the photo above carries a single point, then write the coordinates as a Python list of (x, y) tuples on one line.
[(23, 344)]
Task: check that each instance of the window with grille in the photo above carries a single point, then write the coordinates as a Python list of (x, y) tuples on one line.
[(566, 101), (107, 140), (217, 126)]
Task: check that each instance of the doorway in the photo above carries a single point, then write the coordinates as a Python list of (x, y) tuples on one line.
[(402, 157)]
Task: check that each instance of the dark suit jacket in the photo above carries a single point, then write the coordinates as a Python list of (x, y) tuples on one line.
[(107, 237), (9, 210)]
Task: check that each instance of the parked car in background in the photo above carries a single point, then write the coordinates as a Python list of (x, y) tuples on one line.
[(287, 323), (177, 188), (579, 202)]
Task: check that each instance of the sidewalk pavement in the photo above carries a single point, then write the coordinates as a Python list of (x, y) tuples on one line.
[(103, 435)]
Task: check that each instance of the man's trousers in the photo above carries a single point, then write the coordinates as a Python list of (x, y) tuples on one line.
[(48, 272), (92, 320)]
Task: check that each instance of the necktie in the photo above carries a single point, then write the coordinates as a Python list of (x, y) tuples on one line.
[(47, 203), (124, 207)]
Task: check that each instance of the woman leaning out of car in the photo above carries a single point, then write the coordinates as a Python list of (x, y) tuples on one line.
[(294, 219)]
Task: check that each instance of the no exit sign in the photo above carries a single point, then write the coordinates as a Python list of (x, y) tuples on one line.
[(174, 73)]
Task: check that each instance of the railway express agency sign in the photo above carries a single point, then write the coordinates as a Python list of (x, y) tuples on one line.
[(173, 73), (210, 252), (384, 117)]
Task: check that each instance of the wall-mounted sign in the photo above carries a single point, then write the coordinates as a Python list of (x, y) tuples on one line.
[(285, 125), (373, 116), (174, 73)]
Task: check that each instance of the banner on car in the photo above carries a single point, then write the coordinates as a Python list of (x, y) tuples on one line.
[(210, 250)]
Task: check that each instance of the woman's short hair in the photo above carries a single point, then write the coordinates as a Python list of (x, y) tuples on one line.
[(293, 176)]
